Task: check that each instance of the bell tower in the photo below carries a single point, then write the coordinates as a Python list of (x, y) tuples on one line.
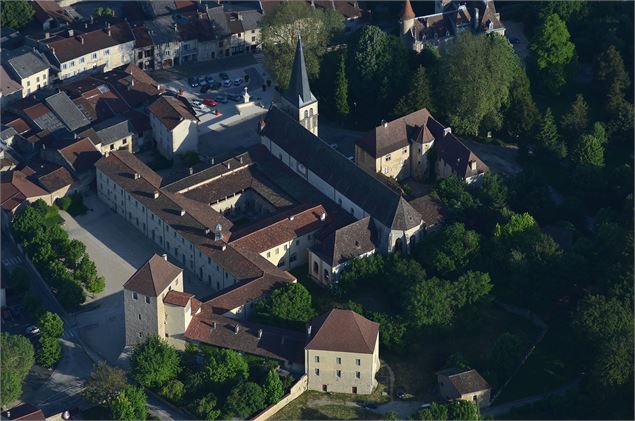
[(298, 100)]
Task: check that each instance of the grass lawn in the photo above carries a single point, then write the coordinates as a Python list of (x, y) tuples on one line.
[(552, 364), (415, 369), (312, 405)]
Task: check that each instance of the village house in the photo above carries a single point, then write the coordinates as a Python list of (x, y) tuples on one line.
[(27, 67), (402, 148), (466, 385), (450, 18), (174, 126)]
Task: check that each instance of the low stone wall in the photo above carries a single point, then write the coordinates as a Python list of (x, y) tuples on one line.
[(296, 390)]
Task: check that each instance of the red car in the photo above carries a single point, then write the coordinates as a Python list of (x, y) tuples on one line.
[(210, 102)]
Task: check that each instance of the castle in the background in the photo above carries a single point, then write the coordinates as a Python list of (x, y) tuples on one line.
[(450, 18)]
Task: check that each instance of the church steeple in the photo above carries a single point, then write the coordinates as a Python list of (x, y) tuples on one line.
[(298, 100), (299, 92)]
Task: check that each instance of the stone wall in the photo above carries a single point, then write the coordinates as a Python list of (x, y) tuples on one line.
[(296, 390)]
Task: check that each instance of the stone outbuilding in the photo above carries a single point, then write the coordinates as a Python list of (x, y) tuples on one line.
[(467, 385)]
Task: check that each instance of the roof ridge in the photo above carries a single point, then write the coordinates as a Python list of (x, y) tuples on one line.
[(356, 319)]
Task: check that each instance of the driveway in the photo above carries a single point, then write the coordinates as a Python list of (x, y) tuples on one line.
[(500, 159)]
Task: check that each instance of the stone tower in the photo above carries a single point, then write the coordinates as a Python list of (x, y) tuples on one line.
[(407, 18), (298, 100)]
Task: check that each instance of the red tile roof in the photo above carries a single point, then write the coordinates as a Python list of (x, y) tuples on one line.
[(153, 277), (81, 155), (178, 298), (343, 331), (171, 111)]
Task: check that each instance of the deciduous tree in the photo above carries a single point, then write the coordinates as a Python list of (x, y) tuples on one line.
[(130, 404), (553, 52), (154, 362), (16, 360), (16, 14), (205, 407), (51, 324), (290, 303), (104, 384), (244, 400), (50, 351), (273, 388), (225, 365)]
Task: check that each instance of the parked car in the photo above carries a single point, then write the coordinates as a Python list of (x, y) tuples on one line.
[(201, 79), (224, 76), (238, 81), (32, 330), (209, 79), (221, 98), (235, 97), (205, 88), (209, 102), (193, 82), (214, 86), (196, 102), (227, 83)]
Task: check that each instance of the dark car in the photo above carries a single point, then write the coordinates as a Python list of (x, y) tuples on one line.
[(193, 82), (224, 76), (214, 86), (204, 89), (221, 98), (235, 97)]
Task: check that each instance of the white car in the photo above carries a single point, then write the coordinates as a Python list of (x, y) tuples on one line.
[(227, 83), (196, 103), (32, 330)]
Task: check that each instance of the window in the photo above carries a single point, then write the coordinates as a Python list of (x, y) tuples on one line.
[(139, 316), (338, 360), (72, 63), (94, 56), (134, 295), (28, 83), (277, 250), (141, 334), (388, 157), (354, 389), (286, 247), (317, 358), (106, 52), (37, 79), (315, 267), (339, 373), (405, 150), (317, 371), (64, 66), (297, 242), (358, 375), (385, 170), (253, 39), (293, 258), (148, 300), (358, 362), (325, 388), (82, 60), (268, 254)]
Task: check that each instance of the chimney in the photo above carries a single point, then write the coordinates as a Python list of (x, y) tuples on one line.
[(292, 217), (473, 165), (208, 231), (47, 35), (70, 33), (92, 19), (52, 49), (323, 216), (176, 27), (229, 165), (212, 162), (155, 194), (85, 26), (190, 170), (384, 123), (259, 333), (213, 325), (308, 331), (108, 31), (75, 136), (218, 232), (236, 329), (241, 159), (475, 19), (447, 131), (165, 256), (182, 212), (158, 87), (261, 125), (81, 39)]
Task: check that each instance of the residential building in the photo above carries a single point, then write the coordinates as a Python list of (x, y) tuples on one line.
[(53, 178), (114, 134), (466, 385), (77, 51), (146, 313), (401, 149), (28, 67), (342, 353), (50, 15), (10, 89), (451, 18), (174, 126)]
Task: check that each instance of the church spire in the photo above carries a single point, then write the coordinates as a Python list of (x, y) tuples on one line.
[(408, 13), (299, 92)]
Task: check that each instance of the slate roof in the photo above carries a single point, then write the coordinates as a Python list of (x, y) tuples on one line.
[(279, 344), (431, 209), (397, 133), (465, 381), (66, 111), (171, 111), (299, 92), (347, 242), (26, 63), (113, 130), (384, 204), (153, 277), (343, 331), (458, 156)]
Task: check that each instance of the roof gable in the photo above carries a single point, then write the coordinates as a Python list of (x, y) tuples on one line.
[(343, 331), (153, 277)]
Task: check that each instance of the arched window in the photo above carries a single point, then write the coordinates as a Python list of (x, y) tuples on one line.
[(306, 114), (315, 267), (311, 112)]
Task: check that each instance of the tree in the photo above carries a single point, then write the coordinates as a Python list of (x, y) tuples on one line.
[(86, 274), (20, 280), (73, 251), (393, 329), (290, 303), (600, 318), (173, 391), (341, 89), (522, 113), (225, 365), (50, 351), (129, 404), (549, 142), (436, 411), (589, 152), (71, 294), (16, 360), (454, 194), (576, 120), (280, 30), (104, 383), (505, 355), (51, 324), (104, 11), (471, 287), (611, 72), (244, 400), (273, 389), (450, 251), (470, 99), (463, 410), (154, 362), (205, 407), (418, 95), (16, 14), (552, 52), (458, 360), (363, 270), (565, 9), (429, 303), (493, 192)]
